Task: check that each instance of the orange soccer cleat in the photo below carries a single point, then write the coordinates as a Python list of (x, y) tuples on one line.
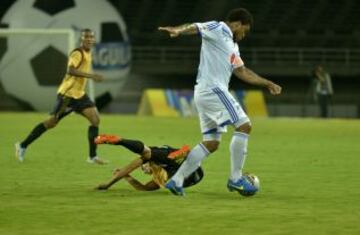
[(180, 153), (107, 139)]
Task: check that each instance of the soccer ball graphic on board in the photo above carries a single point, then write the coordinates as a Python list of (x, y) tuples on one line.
[(33, 65)]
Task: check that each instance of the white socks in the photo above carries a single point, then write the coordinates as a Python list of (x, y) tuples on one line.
[(238, 151), (192, 162)]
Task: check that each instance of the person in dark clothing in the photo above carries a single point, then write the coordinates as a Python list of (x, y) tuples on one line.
[(323, 89)]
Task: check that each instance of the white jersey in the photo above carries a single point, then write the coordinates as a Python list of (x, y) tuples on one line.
[(219, 56)]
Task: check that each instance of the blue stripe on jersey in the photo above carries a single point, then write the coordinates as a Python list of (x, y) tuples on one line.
[(227, 104), (213, 26), (211, 23), (224, 100), (226, 32)]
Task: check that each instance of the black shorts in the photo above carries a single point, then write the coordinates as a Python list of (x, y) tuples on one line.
[(159, 155), (194, 178), (65, 105)]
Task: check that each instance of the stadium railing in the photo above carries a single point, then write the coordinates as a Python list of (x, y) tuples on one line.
[(272, 61)]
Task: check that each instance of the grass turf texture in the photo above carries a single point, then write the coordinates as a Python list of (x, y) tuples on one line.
[(308, 168)]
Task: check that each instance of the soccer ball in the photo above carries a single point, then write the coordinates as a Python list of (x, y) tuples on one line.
[(254, 181), (33, 65)]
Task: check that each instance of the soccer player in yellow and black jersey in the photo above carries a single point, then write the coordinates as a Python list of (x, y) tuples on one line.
[(71, 97), (161, 162)]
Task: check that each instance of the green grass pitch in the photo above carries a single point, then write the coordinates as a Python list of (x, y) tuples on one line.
[(309, 171)]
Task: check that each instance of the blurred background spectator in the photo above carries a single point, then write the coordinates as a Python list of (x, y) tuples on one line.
[(323, 89)]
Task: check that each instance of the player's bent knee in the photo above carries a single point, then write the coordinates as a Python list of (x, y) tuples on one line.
[(245, 128), (51, 123), (212, 146), (95, 122)]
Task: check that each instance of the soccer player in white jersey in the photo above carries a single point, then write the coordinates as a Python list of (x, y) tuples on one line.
[(217, 108)]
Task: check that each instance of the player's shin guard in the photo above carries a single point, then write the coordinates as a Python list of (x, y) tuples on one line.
[(238, 150), (34, 134), (93, 131), (134, 146)]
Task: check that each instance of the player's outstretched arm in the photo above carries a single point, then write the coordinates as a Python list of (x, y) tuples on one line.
[(77, 73), (175, 31), (251, 77), (119, 174), (149, 186)]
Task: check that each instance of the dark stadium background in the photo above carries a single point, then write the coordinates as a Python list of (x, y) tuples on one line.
[(288, 38)]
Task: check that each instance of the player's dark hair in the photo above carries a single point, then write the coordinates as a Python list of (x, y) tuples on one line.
[(86, 30), (242, 15)]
